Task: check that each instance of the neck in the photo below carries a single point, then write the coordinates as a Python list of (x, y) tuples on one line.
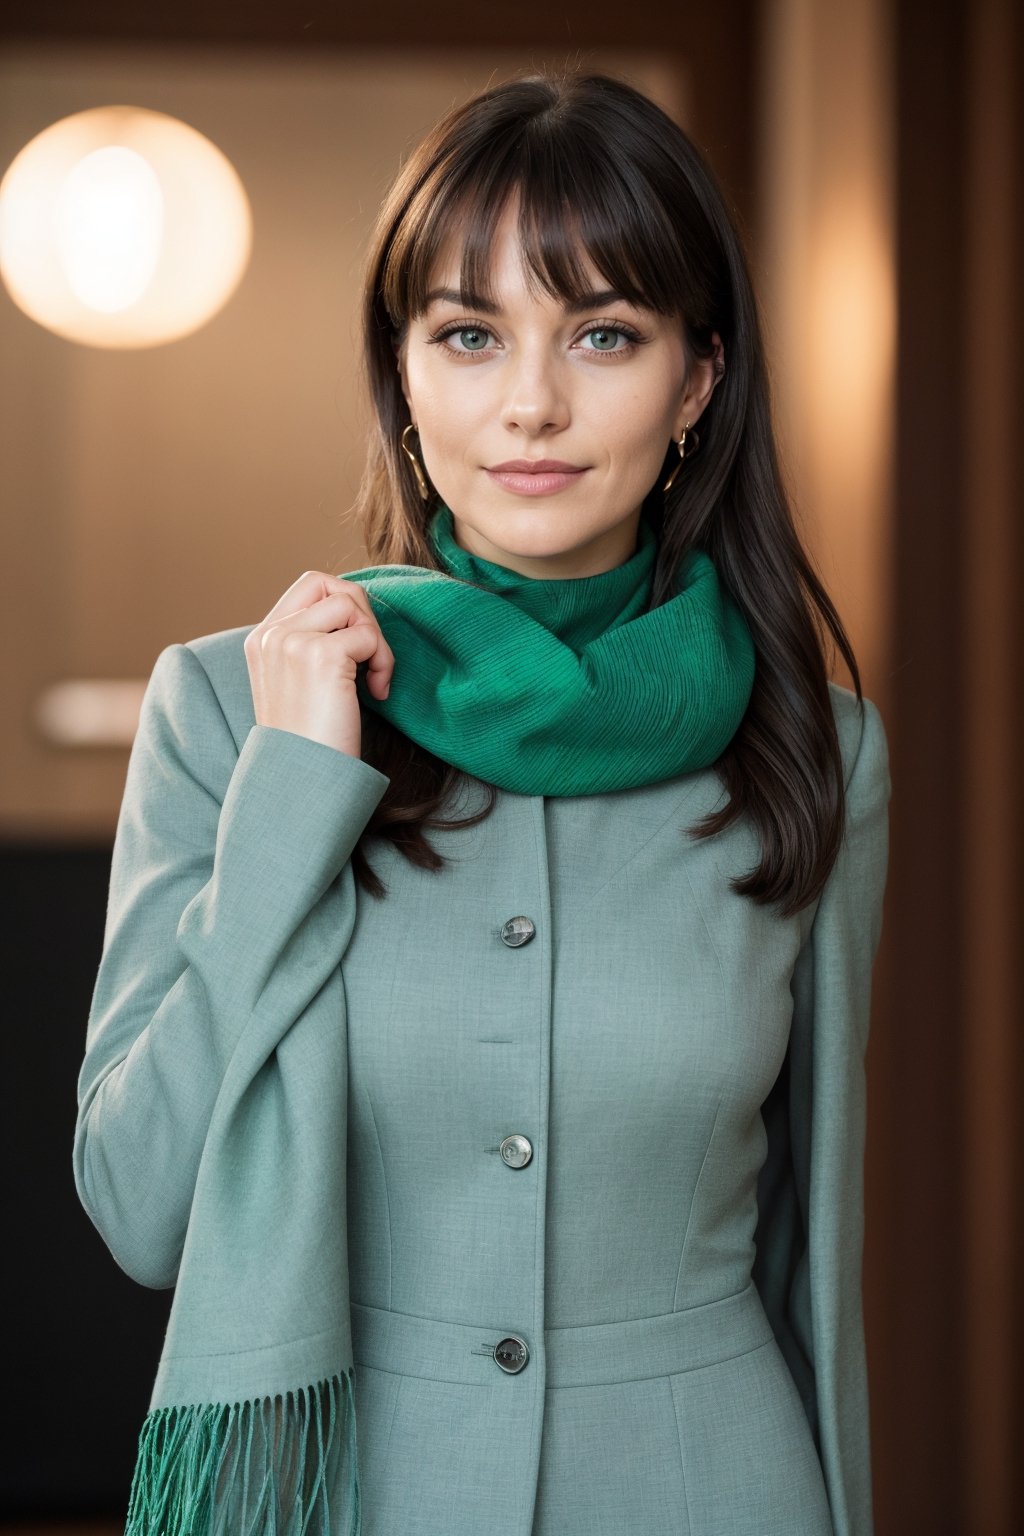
[(610, 549)]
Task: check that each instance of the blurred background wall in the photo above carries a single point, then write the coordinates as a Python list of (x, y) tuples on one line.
[(872, 153)]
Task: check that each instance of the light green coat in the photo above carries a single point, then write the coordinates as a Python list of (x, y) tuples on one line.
[(680, 1252)]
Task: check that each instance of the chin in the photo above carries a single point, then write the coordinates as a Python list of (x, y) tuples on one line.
[(546, 539)]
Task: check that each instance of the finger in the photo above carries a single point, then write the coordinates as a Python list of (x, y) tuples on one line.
[(306, 589), (358, 642), (339, 612), (322, 611), (335, 610)]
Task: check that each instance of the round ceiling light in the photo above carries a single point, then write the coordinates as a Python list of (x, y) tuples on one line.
[(122, 227)]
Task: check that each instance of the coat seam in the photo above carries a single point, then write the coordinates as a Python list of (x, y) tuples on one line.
[(682, 1457), (387, 1197), (693, 1202)]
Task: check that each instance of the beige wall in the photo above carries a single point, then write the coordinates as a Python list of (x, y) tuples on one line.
[(155, 495)]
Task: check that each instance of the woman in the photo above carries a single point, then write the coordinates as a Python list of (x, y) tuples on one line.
[(477, 1045)]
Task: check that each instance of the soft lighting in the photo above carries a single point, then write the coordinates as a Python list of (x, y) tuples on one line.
[(121, 227), (90, 712)]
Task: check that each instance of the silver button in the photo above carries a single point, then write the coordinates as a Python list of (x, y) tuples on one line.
[(516, 931), (516, 1151), (512, 1354)]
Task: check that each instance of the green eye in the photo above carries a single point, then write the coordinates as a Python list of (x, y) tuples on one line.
[(478, 344), (609, 336)]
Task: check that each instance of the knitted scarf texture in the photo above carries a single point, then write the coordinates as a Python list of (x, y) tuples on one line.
[(563, 686), (542, 687)]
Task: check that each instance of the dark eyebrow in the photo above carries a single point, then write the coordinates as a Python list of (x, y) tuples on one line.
[(579, 306)]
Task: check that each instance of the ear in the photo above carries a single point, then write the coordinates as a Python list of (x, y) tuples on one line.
[(399, 351), (700, 386)]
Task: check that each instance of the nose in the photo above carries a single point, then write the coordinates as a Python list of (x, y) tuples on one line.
[(536, 398)]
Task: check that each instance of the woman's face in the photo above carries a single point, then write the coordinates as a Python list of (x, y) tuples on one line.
[(603, 390)]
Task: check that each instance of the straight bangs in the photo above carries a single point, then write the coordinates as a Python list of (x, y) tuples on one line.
[(571, 199)]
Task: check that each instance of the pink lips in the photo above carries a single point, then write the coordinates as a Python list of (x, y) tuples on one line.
[(538, 466), (536, 477)]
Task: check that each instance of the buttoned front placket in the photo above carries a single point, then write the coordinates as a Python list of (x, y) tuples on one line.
[(526, 932), (448, 1194)]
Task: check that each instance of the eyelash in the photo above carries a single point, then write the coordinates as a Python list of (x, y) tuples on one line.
[(619, 327)]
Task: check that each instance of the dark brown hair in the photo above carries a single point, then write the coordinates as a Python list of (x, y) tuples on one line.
[(598, 166)]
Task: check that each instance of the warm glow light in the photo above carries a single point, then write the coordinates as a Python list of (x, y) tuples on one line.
[(851, 333), (121, 227), (109, 225), (90, 712)]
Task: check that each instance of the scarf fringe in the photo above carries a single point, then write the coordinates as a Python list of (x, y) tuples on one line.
[(250, 1469)]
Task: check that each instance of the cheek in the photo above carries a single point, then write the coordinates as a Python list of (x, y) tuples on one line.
[(444, 405), (646, 402), (638, 431)]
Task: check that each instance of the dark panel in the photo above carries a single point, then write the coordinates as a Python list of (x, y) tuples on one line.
[(917, 1416), (1015, 1343), (83, 1340)]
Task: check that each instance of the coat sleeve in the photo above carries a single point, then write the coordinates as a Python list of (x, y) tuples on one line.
[(811, 1188), (219, 856)]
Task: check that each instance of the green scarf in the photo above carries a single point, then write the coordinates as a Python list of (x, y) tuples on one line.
[(564, 686)]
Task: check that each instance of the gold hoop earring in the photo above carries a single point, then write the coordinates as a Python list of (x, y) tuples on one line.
[(690, 438), (421, 479)]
